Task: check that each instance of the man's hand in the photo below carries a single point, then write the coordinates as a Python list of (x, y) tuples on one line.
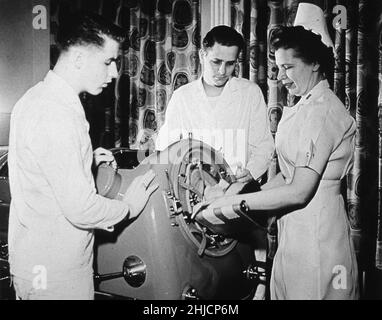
[(213, 192), (243, 175), (103, 155), (216, 192), (139, 192)]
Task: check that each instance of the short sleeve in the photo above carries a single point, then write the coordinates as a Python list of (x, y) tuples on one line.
[(316, 139)]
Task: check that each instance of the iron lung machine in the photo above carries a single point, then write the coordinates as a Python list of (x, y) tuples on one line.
[(165, 254)]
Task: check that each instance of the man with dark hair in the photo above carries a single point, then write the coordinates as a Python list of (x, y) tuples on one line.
[(55, 208), (225, 36), (87, 28), (226, 112)]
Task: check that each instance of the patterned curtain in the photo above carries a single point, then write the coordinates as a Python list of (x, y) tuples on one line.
[(159, 55), (162, 54), (355, 82)]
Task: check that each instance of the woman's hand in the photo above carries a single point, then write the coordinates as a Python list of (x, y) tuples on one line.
[(207, 206)]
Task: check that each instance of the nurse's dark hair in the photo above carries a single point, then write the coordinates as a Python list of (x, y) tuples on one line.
[(306, 45), (225, 36), (86, 28)]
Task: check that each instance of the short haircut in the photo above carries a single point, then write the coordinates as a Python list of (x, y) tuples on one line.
[(225, 36), (84, 28), (307, 46)]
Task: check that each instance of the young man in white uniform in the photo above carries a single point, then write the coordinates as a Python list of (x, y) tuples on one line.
[(55, 208), (226, 112)]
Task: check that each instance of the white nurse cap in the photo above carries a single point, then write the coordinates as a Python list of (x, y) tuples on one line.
[(312, 18)]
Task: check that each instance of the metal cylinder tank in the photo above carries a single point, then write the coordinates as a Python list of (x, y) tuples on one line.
[(164, 254)]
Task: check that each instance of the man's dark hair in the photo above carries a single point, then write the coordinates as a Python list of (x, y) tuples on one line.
[(225, 36), (84, 28), (307, 46)]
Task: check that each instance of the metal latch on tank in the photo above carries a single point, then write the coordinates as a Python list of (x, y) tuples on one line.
[(173, 204), (256, 272)]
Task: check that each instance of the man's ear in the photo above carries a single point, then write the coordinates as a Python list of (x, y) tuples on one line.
[(78, 56), (316, 67), (202, 54)]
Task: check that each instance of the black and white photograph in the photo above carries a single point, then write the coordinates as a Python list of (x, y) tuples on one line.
[(187, 156)]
